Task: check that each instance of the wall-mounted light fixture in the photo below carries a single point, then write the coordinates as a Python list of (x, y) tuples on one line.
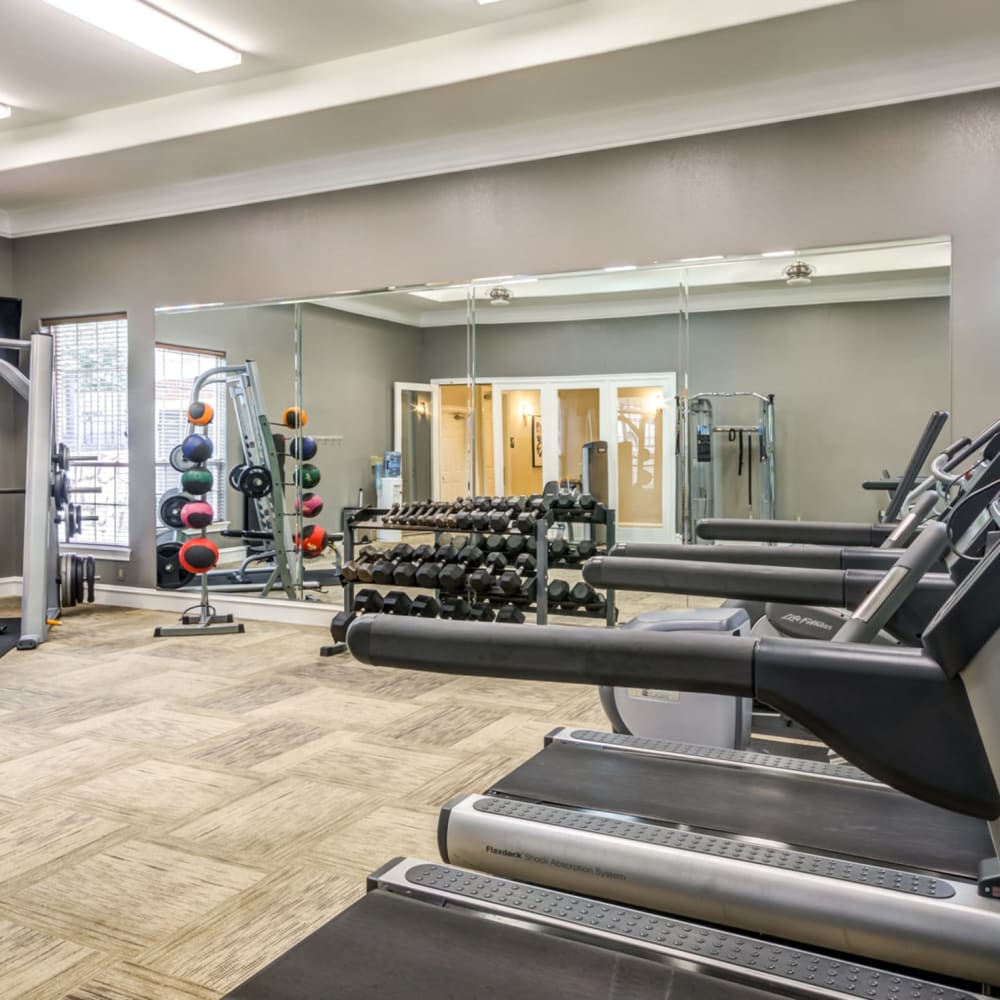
[(799, 273), (525, 412), (4, 111), (500, 296), (421, 410), (653, 404)]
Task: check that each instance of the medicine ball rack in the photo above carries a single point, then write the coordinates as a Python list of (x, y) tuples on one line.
[(371, 521), (261, 465)]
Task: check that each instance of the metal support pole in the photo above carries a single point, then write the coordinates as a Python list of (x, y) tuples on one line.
[(39, 512)]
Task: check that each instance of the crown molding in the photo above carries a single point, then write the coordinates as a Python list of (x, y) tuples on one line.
[(770, 102)]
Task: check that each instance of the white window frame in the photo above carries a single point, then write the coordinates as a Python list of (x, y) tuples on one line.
[(110, 470)]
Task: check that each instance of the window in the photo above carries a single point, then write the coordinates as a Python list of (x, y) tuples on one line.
[(91, 411), (176, 370)]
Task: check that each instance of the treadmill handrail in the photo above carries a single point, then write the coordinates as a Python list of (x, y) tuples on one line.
[(930, 434), (738, 529), (889, 710)]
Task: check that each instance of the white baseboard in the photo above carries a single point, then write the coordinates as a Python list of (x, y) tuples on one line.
[(243, 607)]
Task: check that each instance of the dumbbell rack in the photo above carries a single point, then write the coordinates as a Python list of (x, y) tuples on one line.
[(370, 520), (570, 515)]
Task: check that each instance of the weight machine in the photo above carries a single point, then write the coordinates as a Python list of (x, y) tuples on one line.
[(700, 471), (49, 582)]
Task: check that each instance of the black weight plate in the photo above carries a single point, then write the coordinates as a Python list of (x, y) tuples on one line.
[(71, 526), (78, 592), (79, 518), (178, 461), (65, 590), (170, 574), (234, 476), (62, 458), (255, 481), (170, 508), (60, 489), (90, 575)]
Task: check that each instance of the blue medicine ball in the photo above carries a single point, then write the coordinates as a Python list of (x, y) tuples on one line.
[(197, 448), (309, 448)]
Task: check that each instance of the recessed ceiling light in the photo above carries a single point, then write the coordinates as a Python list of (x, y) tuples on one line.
[(622, 267), (698, 260), (482, 3), (778, 253), (4, 111), (155, 31)]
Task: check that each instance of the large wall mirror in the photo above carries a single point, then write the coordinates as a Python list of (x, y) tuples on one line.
[(759, 386)]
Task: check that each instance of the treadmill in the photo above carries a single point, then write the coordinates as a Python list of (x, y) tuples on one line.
[(823, 855), (431, 930)]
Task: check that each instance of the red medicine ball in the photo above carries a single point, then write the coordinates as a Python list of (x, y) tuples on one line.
[(198, 555), (314, 540)]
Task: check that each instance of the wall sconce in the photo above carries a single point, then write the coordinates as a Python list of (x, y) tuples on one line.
[(653, 404), (525, 412), (421, 410)]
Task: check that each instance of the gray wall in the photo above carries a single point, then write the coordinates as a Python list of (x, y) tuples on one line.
[(6, 267), (916, 169), (853, 382)]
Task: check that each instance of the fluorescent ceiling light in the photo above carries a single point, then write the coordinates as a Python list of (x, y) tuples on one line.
[(482, 3), (4, 111), (622, 267), (155, 31), (697, 260), (778, 253)]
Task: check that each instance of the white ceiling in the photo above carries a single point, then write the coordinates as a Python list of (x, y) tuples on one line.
[(338, 93), (913, 269)]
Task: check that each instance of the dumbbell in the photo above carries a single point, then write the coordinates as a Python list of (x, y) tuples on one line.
[(481, 613), (539, 504), (445, 539), (367, 600), (480, 520), (496, 562), (401, 552), (525, 564), (365, 574), (514, 545), (396, 603), (558, 592), (460, 541), (478, 539), (509, 582), (427, 574), (586, 501), (525, 523), (564, 500), (586, 548), (463, 520), (382, 571), (572, 556), (425, 606), (583, 594), (480, 581), (452, 578), (529, 590), (499, 520), (446, 554), (495, 543), (510, 614), (349, 572), (340, 623), (471, 556), (558, 547), (405, 574), (455, 608)]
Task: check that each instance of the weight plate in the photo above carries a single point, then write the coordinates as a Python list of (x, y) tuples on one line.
[(65, 591), (171, 504), (79, 518), (60, 489), (234, 476), (61, 458), (178, 461), (170, 574), (78, 592), (255, 481), (90, 575), (71, 526)]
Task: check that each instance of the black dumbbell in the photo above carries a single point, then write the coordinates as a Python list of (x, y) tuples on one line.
[(572, 556), (382, 571), (565, 500), (459, 541), (471, 556), (396, 603), (515, 544), (538, 503), (456, 608), (480, 520), (480, 580), (405, 574), (599, 605), (509, 582), (530, 544), (481, 613), (586, 549), (425, 606), (401, 552), (587, 501), (510, 614), (495, 543), (525, 523), (452, 578), (478, 539), (340, 623), (558, 591), (558, 547), (427, 574), (499, 520), (529, 590), (446, 554), (525, 563), (367, 600), (463, 520), (583, 594), (496, 562)]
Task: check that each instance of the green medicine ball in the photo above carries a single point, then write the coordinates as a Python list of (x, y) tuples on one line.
[(310, 476), (197, 481)]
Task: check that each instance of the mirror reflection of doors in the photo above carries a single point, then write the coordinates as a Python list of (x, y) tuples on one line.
[(522, 441)]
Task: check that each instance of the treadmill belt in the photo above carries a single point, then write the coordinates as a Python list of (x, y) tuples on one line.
[(865, 822), (390, 947)]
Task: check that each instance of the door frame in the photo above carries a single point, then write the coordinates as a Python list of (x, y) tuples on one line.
[(398, 388)]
